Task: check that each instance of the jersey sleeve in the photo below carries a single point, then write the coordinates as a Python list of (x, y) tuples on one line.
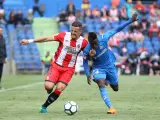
[(85, 65), (87, 49), (85, 59), (59, 37), (84, 44), (112, 32)]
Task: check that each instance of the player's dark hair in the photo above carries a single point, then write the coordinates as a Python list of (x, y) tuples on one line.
[(92, 36), (77, 24)]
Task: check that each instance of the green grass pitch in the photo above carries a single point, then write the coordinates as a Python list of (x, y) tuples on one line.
[(137, 99)]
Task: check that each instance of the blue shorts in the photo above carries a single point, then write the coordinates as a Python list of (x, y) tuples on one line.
[(109, 75)]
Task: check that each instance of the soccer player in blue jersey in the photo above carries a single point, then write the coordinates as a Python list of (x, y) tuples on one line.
[(103, 69)]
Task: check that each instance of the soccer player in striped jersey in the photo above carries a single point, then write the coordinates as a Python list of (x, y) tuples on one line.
[(63, 64)]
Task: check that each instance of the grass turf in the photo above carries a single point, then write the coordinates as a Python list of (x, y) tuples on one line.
[(137, 99)]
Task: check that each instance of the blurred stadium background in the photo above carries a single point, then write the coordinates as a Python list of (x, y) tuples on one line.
[(137, 49)]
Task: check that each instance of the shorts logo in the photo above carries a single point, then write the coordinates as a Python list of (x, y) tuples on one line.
[(95, 72)]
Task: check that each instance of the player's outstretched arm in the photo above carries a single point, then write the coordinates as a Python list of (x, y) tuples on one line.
[(37, 40), (86, 68), (85, 65), (109, 34)]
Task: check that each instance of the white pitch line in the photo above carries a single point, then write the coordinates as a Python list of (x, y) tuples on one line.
[(21, 87)]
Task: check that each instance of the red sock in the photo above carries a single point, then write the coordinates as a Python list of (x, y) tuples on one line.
[(57, 92)]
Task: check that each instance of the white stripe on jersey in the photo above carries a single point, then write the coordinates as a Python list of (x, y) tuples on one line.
[(66, 42), (78, 48)]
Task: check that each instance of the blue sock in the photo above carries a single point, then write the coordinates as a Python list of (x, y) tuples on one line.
[(104, 95)]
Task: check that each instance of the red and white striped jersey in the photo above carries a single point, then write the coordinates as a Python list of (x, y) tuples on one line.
[(68, 49)]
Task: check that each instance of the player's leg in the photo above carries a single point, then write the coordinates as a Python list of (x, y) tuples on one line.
[(114, 87), (103, 92), (99, 77), (54, 95), (49, 85), (50, 81), (51, 78), (112, 78), (105, 96), (65, 77)]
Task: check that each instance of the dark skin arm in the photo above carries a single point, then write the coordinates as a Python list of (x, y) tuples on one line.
[(89, 80)]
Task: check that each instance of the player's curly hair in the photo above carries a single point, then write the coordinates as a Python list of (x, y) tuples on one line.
[(92, 36)]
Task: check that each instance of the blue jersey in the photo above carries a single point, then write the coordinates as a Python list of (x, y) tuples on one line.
[(104, 57)]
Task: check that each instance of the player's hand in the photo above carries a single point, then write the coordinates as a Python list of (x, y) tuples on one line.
[(89, 80), (24, 42), (134, 17), (92, 52)]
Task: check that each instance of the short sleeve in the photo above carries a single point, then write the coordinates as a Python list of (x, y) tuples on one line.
[(60, 36), (84, 44), (107, 35), (87, 49)]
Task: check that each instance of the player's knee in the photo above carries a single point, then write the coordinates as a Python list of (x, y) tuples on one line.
[(61, 86), (101, 83), (115, 89), (48, 85)]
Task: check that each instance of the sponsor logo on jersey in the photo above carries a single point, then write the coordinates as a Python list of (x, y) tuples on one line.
[(71, 50), (103, 51)]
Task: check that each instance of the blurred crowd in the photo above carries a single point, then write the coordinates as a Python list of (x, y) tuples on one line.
[(108, 17), (149, 24), (19, 16), (140, 64)]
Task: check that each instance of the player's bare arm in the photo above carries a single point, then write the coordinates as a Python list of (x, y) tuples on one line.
[(38, 40), (86, 68), (89, 80)]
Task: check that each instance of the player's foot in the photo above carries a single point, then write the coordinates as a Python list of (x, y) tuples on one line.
[(111, 111), (43, 110)]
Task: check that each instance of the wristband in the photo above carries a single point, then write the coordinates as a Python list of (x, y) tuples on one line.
[(30, 41)]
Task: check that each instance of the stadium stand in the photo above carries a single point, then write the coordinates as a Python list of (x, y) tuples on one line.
[(27, 58), (135, 37)]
